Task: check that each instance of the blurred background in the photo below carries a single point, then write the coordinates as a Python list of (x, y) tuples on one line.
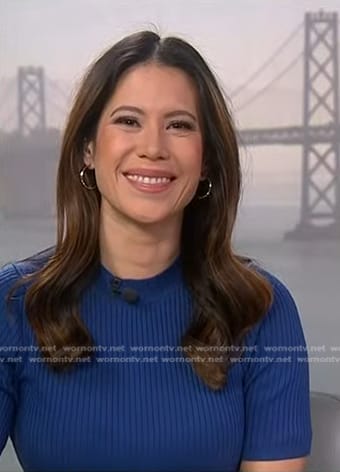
[(278, 63)]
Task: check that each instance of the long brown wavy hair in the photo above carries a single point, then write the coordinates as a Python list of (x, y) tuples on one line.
[(229, 295)]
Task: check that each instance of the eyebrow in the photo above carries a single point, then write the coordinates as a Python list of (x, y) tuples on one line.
[(141, 112)]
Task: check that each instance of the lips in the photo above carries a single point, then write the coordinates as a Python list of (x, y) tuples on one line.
[(143, 172), (149, 181)]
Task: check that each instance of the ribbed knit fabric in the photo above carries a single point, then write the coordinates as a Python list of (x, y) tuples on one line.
[(139, 406)]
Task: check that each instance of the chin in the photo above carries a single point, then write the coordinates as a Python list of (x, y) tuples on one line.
[(152, 218)]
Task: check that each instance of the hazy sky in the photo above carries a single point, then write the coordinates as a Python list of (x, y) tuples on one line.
[(235, 36), (64, 35)]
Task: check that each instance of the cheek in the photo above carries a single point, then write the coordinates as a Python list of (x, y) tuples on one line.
[(105, 148), (110, 146), (194, 159)]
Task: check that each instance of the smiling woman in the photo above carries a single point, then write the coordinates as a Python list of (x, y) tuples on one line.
[(147, 195), (147, 152)]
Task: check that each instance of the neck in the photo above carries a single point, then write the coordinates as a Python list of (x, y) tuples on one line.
[(135, 251)]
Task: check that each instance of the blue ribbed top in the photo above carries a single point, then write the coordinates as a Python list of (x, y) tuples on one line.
[(139, 406)]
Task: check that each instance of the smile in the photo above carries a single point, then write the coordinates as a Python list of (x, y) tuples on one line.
[(148, 179), (149, 184)]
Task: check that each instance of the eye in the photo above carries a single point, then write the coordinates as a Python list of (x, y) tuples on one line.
[(181, 125), (127, 121)]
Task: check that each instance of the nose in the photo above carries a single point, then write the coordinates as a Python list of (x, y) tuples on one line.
[(152, 143)]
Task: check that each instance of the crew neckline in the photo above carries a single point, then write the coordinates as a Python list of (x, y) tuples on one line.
[(149, 287)]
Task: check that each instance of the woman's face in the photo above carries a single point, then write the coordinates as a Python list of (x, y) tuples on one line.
[(147, 153)]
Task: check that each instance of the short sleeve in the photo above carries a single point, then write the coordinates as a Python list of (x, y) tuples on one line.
[(276, 384), (9, 340)]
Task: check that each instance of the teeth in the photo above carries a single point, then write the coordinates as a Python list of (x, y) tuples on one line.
[(148, 180)]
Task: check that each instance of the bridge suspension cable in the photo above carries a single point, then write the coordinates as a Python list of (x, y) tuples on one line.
[(56, 87), (7, 91), (7, 96), (268, 61), (57, 99), (10, 121), (271, 82), (54, 104)]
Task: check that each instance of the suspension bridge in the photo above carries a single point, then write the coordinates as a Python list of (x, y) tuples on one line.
[(32, 146)]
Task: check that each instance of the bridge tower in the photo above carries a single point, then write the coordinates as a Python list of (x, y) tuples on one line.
[(31, 99), (320, 198)]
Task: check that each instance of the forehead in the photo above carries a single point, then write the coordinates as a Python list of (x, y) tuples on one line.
[(155, 86)]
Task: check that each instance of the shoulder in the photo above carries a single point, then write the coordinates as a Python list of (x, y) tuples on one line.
[(12, 294), (283, 299), (282, 295), (280, 289), (282, 320), (10, 325), (12, 271)]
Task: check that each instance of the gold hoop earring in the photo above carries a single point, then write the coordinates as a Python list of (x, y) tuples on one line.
[(83, 181), (208, 192)]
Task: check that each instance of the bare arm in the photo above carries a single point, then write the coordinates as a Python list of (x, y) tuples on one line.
[(289, 465)]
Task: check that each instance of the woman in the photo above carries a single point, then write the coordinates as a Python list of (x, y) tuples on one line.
[(153, 334)]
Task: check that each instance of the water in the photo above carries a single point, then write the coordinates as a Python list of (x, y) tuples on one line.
[(310, 269)]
